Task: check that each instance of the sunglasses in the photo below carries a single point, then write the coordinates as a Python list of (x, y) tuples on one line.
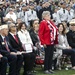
[(13, 26), (73, 25)]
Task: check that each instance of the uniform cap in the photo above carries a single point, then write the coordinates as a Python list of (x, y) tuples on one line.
[(72, 22), (24, 5), (31, 4), (4, 26)]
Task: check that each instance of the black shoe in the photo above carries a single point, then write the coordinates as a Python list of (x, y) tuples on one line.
[(30, 73), (47, 72), (51, 71)]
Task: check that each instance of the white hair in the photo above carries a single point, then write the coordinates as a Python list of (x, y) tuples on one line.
[(45, 13)]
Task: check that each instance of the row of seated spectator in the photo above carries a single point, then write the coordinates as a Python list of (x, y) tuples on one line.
[(63, 47), (17, 44)]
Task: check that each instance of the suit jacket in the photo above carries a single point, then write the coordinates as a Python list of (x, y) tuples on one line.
[(3, 49), (44, 33), (71, 38), (14, 44)]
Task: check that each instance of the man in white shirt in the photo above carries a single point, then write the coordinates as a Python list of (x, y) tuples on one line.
[(11, 15), (63, 13), (70, 13), (31, 14), (56, 18), (23, 14)]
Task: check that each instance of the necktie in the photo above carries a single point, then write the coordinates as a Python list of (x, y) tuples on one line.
[(64, 10), (6, 45), (32, 11), (69, 13), (24, 13), (16, 39)]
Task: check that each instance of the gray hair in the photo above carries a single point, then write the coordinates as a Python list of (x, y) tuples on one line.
[(45, 13)]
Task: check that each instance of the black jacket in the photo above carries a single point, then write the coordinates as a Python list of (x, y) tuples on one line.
[(3, 49), (14, 44), (34, 37), (71, 38)]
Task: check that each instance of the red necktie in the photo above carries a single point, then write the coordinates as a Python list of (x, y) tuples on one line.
[(16, 39), (6, 45)]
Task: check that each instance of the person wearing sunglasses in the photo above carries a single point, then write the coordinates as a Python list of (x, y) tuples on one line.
[(71, 34)]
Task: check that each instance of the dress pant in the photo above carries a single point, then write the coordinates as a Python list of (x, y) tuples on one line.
[(29, 60), (48, 57), (19, 64), (3, 65), (70, 52), (15, 63)]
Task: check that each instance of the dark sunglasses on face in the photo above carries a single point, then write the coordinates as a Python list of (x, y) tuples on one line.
[(36, 22), (73, 25), (14, 26)]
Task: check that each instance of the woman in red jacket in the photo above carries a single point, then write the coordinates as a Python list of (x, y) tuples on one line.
[(48, 37)]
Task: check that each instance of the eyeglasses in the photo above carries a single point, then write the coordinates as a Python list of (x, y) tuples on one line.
[(36, 22), (73, 25), (10, 10), (13, 26)]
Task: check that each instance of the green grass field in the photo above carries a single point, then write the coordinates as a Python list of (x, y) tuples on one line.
[(39, 71), (62, 72)]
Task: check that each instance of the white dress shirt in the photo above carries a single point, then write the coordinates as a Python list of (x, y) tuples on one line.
[(62, 16), (71, 15), (56, 18), (31, 16), (12, 16), (2, 37), (23, 17)]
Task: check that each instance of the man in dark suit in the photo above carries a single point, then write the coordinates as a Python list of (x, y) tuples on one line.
[(71, 34), (14, 57), (3, 65), (15, 42)]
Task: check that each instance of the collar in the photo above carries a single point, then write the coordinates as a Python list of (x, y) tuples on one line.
[(12, 34), (23, 30), (2, 37), (62, 9)]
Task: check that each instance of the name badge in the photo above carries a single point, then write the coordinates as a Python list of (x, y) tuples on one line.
[(3, 43)]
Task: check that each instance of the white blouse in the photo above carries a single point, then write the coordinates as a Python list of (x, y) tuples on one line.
[(24, 37), (62, 42)]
